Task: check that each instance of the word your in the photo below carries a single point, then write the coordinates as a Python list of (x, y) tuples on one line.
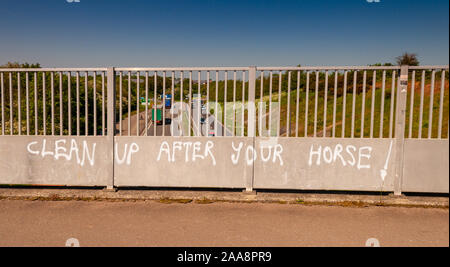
[(62, 148), (192, 151), (127, 153), (331, 155), (251, 154)]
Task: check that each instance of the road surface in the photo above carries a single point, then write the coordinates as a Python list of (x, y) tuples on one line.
[(150, 223)]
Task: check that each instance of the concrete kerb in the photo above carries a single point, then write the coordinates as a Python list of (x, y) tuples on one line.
[(202, 197)]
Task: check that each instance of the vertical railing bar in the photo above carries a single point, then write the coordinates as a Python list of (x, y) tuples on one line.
[(288, 124), (316, 103), (383, 93), (78, 103), (52, 98), (270, 103), (225, 105), (94, 96), (111, 124), (103, 104), (400, 112), (336, 74), (181, 101), (181, 104), (164, 104), (372, 106), (35, 105), (11, 126), (251, 116), (146, 103), (260, 111), (422, 86), (363, 106), (398, 88), (411, 104), (3, 103), (280, 78), (155, 92), (207, 103), (199, 103), (138, 82), (120, 102), (355, 77), (216, 113), (172, 100), (27, 103), (344, 104), (86, 97), (190, 103), (262, 86), (243, 101), (234, 104), (325, 105), (19, 109), (441, 103), (297, 104), (69, 103), (44, 93), (391, 116), (61, 120), (430, 111), (306, 104), (129, 103)]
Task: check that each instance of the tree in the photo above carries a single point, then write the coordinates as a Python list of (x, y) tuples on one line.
[(10, 65), (407, 59)]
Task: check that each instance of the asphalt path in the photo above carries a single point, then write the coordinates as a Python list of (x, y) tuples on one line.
[(150, 223)]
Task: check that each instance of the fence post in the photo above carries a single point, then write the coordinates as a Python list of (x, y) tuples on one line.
[(400, 114), (251, 119), (110, 128)]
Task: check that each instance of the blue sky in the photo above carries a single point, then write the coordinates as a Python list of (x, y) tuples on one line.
[(151, 33)]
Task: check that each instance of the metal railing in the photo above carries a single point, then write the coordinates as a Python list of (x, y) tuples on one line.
[(356, 101), (330, 101), (57, 101), (199, 105)]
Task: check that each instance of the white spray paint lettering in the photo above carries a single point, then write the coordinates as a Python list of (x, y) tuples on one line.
[(251, 154), (192, 151), (330, 155), (127, 153), (383, 172), (59, 149)]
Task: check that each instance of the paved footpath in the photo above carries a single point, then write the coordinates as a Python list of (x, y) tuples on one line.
[(150, 223)]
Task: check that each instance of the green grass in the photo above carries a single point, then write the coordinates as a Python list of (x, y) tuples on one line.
[(377, 118)]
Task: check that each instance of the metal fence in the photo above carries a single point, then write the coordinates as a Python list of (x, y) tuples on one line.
[(355, 101), (53, 101), (305, 105)]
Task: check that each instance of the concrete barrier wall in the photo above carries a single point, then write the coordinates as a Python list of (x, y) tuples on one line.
[(180, 162), (426, 166), (326, 164), (225, 162), (51, 160)]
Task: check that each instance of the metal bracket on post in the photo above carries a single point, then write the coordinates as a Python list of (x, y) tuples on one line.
[(251, 132), (400, 115), (110, 126)]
